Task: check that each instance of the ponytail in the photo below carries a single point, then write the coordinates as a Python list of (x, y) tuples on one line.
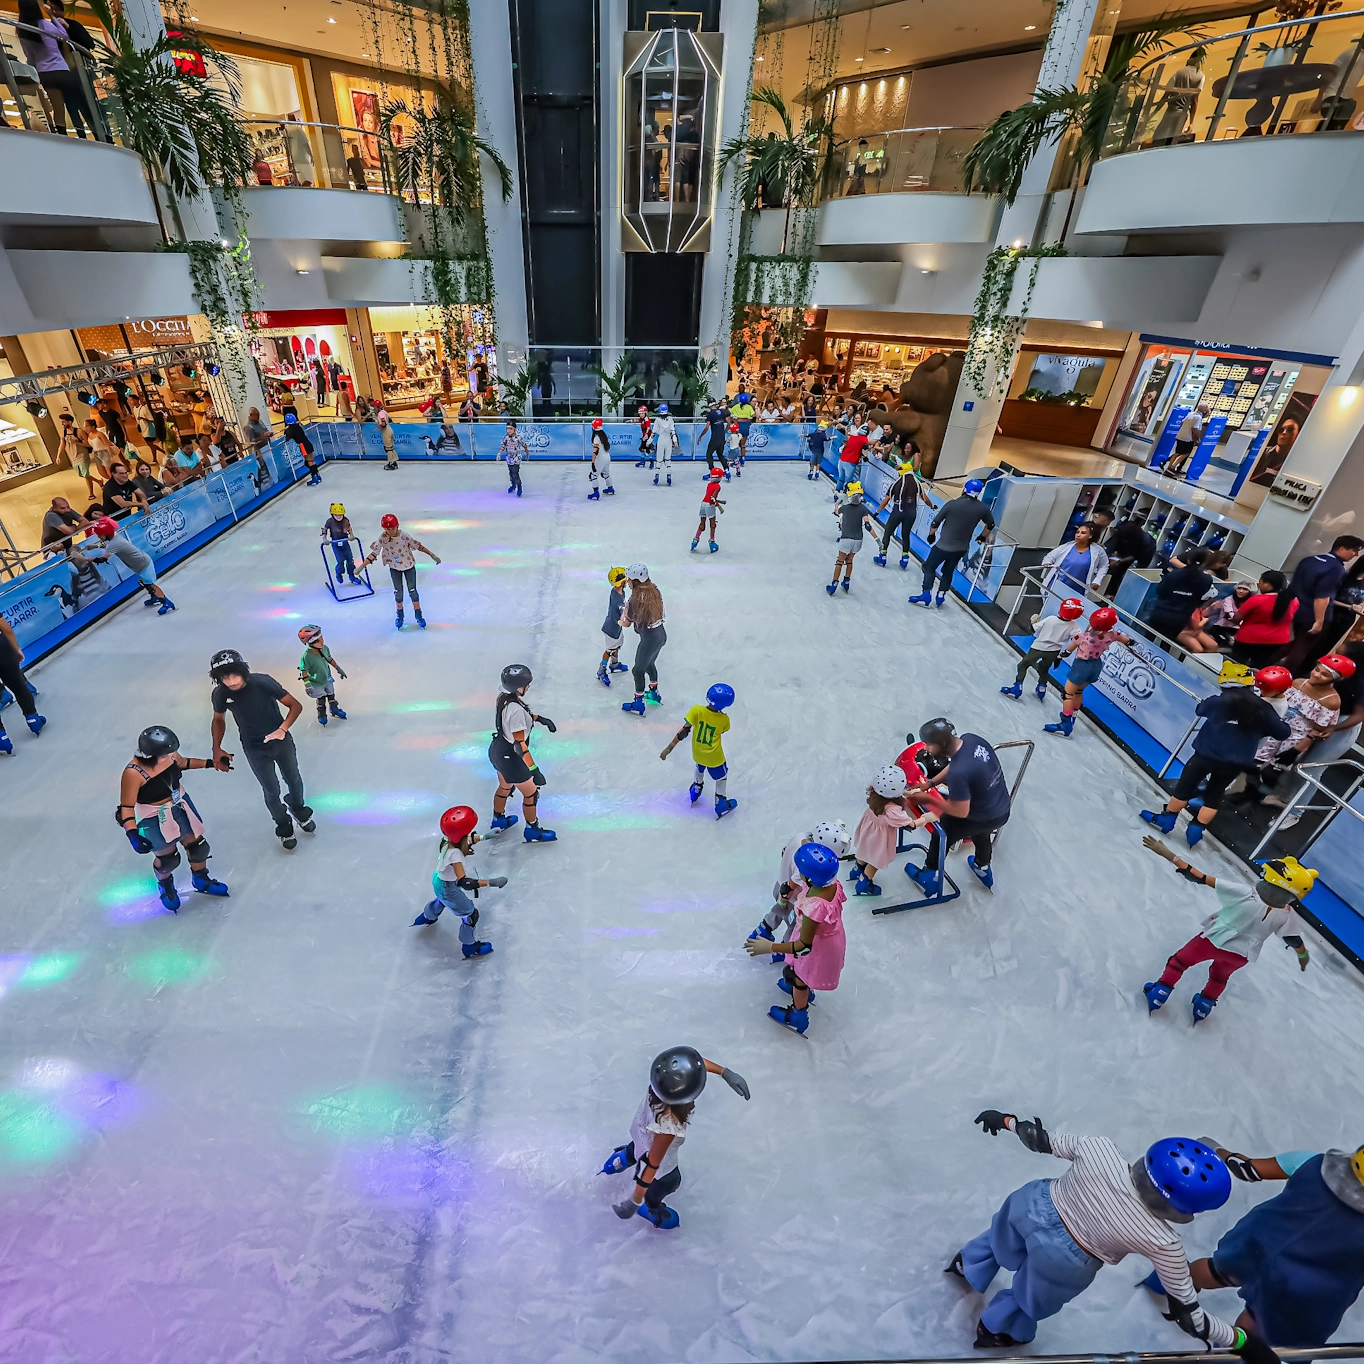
[(1283, 596)]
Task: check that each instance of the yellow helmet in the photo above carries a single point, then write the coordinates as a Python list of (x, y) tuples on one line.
[(615, 576), (1290, 874), (1357, 1164), (853, 488), (338, 508)]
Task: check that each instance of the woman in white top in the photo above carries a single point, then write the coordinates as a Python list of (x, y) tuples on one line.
[(509, 753)]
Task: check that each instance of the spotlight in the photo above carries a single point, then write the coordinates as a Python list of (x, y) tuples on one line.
[(84, 395), (156, 378), (187, 371), (122, 389), (35, 409), (213, 369)]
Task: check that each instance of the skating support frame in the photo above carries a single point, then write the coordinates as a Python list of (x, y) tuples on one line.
[(334, 586), (943, 894)]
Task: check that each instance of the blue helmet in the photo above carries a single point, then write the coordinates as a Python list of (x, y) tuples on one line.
[(290, 418), (1191, 1177), (743, 397), (816, 863), (663, 407), (973, 487), (720, 696)]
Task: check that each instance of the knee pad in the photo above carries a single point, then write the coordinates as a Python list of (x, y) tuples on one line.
[(790, 977), (165, 863), (198, 850), (471, 918)]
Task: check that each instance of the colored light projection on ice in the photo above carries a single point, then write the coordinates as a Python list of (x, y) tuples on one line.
[(51, 1105), (27, 972), (166, 966), (376, 807), (132, 899)]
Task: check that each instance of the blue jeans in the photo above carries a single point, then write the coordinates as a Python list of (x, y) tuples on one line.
[(345, 560), (1027, 1236), (450, 896), (847, 473)]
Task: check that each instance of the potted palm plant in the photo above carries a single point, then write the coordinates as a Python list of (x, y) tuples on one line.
[(694, 380), (617, 384), (514, 390)]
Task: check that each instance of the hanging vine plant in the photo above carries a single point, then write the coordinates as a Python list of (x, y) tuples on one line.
[(995, 332)]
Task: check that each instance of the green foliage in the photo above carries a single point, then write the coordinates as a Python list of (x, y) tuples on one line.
[(1072, 397), (617, 384), (514, 392), (694, 379), (780, 169), (774, 281), (995, 333)]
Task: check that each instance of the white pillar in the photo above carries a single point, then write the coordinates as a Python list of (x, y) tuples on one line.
[(971, 426), (614, 18), (490, 48)]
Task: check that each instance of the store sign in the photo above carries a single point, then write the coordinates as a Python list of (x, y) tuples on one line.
[(151, 333), (1301, 493)]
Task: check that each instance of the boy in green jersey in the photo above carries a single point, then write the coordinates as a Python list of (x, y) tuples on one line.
[(707, 726), (315, 672)]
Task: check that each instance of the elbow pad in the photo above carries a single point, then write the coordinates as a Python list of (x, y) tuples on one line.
[(1189, 1317), (1033, 1135)]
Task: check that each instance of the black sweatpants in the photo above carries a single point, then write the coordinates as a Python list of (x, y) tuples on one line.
[(12, 675), (514, 474), (904, 521), (263, 761), (1040, 661), (645, 668), (944, 561), (959, 831), (1219, 775)]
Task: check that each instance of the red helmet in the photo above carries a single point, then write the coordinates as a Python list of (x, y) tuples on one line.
[(1274, 679), (734, 426), (596, 423), (388, 521), (458, 821), (1338, 664), (1071, 609), (642, 408), (717, 473), (1105, 618), (106, 528)]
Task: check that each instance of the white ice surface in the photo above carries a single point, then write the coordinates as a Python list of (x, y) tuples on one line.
[(288, 1127)]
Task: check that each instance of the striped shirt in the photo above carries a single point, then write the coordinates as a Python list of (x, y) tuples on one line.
[(1102, 1212)]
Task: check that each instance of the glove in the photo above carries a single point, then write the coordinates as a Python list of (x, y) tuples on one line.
[(1254, 1350), (1243, 1168), (625, 1209), (1033, 1135), (537, 776), (736, 1082), (341, 673), (140, 844), (993, 1121), (497, 881), (548, 723)]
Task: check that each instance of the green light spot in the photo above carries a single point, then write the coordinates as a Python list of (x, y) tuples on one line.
[(359, 1113), (465, 572), (31, 1131), (416, 707), (50, 969), (166, 966), (336, 802), (130, 888), (549, 747)]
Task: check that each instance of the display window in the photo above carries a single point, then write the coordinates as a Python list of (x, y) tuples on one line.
[(412, 356), (360, 102), (305, 361)]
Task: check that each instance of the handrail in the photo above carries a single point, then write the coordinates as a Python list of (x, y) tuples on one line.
[(926, 128), (98, 124), (285, 121), (1309, 19), (1340, 802)]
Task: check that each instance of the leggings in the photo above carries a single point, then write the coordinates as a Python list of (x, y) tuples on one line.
[(398, 574), (661, 1185), (651, 643), (1040, 661), (941, 561), (905, 521), (12, 676), (1201, 949)]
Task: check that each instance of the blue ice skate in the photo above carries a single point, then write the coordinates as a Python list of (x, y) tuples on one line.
[(1193, 834), (655, 480), (426, 918), (784, 986), (537, 833), (503, 821), (1065, 726), (694, 791), (653, 695), (637, 705), (594, 496), (35, 722), (904, 561), (619, 667), (1156, 995), (847, 584), (928, 881), (1016, 691), (475, 949), (337, 712), (206, 885), (166, 605), (879, 560), (170, 897), (714, 548), (617, 1162), (923, 599), (665, 1218), (790, 1017), (1202, 1006), (762, 931), (982, 874), (723, 806), (398, 621), (696, 542), (940, 598), (832, 587), (6, 743), (602, 675), (421, 619), (322, 717), (1040, 691), (866, 887), (1163, 820)]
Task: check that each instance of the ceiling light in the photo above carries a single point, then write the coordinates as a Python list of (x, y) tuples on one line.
[(331, 18), (758, 59), (35, 409), (859, 59), (880, 49), (1028, 28), (300, 272), (905, 26)]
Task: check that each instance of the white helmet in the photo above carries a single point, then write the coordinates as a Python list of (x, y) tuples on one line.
[(890, 782), (638, 573), (833, 833)]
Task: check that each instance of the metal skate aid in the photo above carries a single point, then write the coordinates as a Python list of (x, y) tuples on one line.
[(335, 585)]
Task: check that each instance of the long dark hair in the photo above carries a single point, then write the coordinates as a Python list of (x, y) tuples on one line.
[(680, 1113), (503, 699), (1283, 598)]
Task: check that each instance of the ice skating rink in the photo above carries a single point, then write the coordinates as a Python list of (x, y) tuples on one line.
[(288, 1127)]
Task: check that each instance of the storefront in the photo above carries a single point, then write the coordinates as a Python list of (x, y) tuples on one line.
[(1253, 404), (412, 355), (306, 355), (879, 362), (1057, 395)]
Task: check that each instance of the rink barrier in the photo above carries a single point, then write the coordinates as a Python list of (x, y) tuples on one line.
[(39, 603), (1210, 1356)]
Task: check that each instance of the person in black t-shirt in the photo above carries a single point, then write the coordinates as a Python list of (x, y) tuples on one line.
[(294, 432), (253, 699), (977, 803), (903, 496), (1129, 545), (851, 513)]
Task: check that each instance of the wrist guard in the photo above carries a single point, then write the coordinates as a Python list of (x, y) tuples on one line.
[(1190, 874), (1033, 1135), (1189, 1317)]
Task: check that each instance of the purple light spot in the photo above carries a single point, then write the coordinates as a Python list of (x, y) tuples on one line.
[(133, 911), (100, 1101), (681, 907), (417, 1174), (590, 933)]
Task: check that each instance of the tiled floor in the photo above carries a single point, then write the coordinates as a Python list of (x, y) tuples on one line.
[(22, 508)]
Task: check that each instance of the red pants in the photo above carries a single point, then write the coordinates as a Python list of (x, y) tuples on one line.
[(1200, 949)]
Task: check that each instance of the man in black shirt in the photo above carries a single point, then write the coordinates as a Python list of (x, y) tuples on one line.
[(903, 496), (977, 803), (1129, 545), (253, 699), (953, 527)]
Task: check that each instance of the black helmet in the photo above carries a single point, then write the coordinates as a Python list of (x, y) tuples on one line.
[(515, 676), (938, 733), (227, 661), (156, 741), (678, 1075)]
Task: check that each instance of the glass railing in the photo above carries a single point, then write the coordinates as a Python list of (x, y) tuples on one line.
[(49, 101), (293, 154), (1292, 77), (904, 161)]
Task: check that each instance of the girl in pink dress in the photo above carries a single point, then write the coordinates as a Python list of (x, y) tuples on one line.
[(878, 829), (819, 945)]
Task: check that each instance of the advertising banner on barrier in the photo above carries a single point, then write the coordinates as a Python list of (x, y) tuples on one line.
[(777, 440), (173, 521), (33, 604), (233, 487), (1131, 680)]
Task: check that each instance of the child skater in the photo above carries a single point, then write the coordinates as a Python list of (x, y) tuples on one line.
[(1232, 937), (1053, 633), (612, 632), (707, 726), (1088, 647), (601, 462), (665, 442), (399, 551), (676, 1080), (337, 530), (791, 885), (711, 508), (315, 672), (510, 755), (820, 944), (877, 830), (646, 447), (734, 443), (852, 514), (452, 880)]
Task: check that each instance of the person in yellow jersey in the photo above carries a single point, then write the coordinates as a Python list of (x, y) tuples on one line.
[(742, 412), (707, 726)]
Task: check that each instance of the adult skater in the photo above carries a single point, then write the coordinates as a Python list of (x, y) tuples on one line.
[(851, 513), (952, 528), (399, 552), (1053, 634), (510, 755), (253, 699), (12, 678), (337, 529), (1297, 1260), (712, 507), (157, 814), (644, 611), (513, 450), (818, 947), (1233, 936), (612, 632), (1056, 1234), (903, 497), (600, 472), (1234, 722), (976, 806), (293, 431), (790, 885), (715, 446), (708, 726), (665, 443), (115, 545), (454, 877), (676, 1079)]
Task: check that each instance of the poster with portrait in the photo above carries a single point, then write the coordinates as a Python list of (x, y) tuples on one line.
[(365, 104), (1144, 407), (1282, 438)]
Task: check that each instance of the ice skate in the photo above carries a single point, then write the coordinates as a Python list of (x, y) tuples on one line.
[(166, 605), (940, 598), (904, 562), (594, 495), (879, 560), (284, 831), (6, 743), (398, 619), (305, 820), (170, 897), (790, 1017), (928, 881), (1202, 1006), (866, 887), (619, 667), (832, 587), (847, 584), (784, 986), (652, 695), (655, 480), (1163, 820), (475, 949), (425, 919), (957, 1268), (694, 791), (206, 885), (982, 874), (923, 599), (723, 806), (714, 547), (602, 675), (617, 1162), (696, 542), (1065, 726), (762, 931), (322, 717), (421, 619), (670, 480), (35, 723), (637, 705), (503, 821), (1040, 691), (1193, 833), (337, 712), (1156, 995), (665, 1219), (1016, 691), (536, 833), (610, 492), (987, 1339)]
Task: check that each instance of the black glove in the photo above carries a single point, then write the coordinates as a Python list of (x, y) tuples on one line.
[(736, 1082), (140, 844), (497, 881), (537, 776), (1033, 1135), (1256, 1351), (1243, 1168), (993, 1121), (548, 723)]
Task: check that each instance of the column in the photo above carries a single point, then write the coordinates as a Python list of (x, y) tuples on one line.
[(971, 426), (614, 18)]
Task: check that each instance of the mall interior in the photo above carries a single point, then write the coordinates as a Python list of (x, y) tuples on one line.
[(1103, 257)]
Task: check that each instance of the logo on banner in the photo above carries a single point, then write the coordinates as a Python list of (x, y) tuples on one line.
[(536, 437), (164, 527), (1132, 671), (757, 438)]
